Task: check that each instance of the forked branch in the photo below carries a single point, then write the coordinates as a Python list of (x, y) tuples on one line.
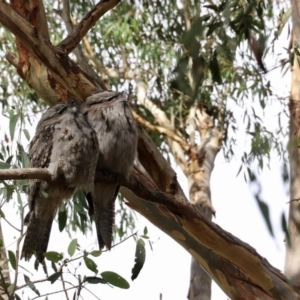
[(90, 19)]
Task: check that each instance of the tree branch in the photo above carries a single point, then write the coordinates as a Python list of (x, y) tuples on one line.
[(229, 261), (90, 19), (157, 167), (63, 69), (29, 173), (218, 251), (161, 130), (81, 59)]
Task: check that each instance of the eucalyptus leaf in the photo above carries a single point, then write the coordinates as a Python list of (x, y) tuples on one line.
[(115, 279), (72, 247), (140, 256), (12, 259), (52, 278), (53, 256)]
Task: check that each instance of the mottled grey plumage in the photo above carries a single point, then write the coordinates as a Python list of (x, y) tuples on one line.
[(110, 116), (64, 143)]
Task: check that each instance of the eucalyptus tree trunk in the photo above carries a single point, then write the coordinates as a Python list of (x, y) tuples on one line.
[(292, 259), (200, 169)]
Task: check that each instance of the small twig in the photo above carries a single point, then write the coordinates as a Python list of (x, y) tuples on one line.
[(29, 173), (123, 240), (15, 228), (35, 281), (91, 292), (64, 286), (57, 292), (161, 130)]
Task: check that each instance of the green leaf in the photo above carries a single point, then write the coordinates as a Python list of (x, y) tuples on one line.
[(17, 297), (72, 247), (215, 68), (62, 220), (53, 256), (4, 165), (12, 259), (90, 264), (52, 278), (25, 159), (213, 27), (19, 200), (94, 280), (264, 208), (140, 256), (1, 243), (12, 125), (115, 279), (96, 253), (31, 285), (2, 214), (145, 230), (26, 133), (11, 288), (285, 229)]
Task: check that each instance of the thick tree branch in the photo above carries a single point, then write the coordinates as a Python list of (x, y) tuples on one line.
[(78, 32), (229, 261), (157, 167), (63, 69), (202, 238), (198, 235)]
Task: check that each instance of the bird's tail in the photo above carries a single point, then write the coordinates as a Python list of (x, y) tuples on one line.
[(37, 236), (104, 212)]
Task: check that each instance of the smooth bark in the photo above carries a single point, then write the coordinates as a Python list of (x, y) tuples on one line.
[(292, 259)]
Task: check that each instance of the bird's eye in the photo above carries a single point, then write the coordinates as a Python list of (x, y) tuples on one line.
[(62, 109)]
